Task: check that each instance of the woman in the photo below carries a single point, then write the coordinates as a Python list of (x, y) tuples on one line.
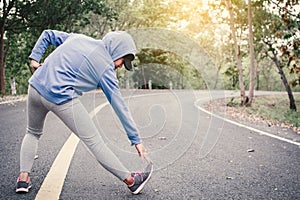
[(80, 64)]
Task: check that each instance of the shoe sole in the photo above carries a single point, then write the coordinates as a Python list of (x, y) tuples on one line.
[(138, 190), (23, 190)]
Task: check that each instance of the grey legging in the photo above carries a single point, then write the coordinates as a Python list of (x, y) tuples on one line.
[(76, 117)]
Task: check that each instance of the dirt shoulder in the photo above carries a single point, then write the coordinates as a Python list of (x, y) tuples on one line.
[(12, 99), (239, 115)]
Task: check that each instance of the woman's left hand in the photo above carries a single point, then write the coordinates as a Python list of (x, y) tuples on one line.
[(142, 152)]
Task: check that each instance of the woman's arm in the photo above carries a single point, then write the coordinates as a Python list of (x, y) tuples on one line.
[(47, 38), (110, 87)]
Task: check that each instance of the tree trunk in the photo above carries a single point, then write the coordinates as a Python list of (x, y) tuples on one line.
[(252, 58), (257, 85), (217, 75), (2, 61), (237, 53), (5, 12), (286, 84), (144, 78)]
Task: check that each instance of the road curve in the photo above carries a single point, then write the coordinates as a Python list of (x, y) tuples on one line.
[(196, 154)]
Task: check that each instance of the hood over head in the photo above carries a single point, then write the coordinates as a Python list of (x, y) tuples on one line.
[(120, 44)]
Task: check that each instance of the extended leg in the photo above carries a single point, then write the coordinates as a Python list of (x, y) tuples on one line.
[(75, 116)]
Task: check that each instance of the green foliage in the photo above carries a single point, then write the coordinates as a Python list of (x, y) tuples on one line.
[(283, 37), (27, 19), (148, 13), (17, 62), (164, 67), (206, 24), (231, 103), (232, 74)]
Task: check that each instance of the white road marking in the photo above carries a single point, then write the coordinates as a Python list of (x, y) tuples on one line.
[(246, 127)]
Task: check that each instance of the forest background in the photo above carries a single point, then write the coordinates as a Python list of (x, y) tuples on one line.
[(254, 44)]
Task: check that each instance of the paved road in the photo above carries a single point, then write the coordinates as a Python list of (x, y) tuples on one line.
[(196, 155)]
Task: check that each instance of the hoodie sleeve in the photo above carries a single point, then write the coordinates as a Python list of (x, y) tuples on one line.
[(110, 87), (47, 38)]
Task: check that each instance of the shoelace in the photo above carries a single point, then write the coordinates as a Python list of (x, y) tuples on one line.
[(138, 174)]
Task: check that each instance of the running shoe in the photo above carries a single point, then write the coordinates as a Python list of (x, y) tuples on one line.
[(23, 186), (141, 178)]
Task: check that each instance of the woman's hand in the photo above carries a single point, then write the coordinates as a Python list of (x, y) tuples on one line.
[(142, 152), (34, 64)]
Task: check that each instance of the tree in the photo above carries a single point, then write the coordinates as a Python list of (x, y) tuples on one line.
[(11, 15), (237, 53), (281, 38), (26, 18), (162, 67), (279, 66), (200, 20), (127, 14), (252, 56), (130, 15)]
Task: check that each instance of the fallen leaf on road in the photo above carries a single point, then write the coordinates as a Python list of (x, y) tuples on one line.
[(250, 150)]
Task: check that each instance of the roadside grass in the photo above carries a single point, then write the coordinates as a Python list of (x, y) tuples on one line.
[(273, 108)]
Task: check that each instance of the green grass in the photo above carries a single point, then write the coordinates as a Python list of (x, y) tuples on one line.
[(271, 107)]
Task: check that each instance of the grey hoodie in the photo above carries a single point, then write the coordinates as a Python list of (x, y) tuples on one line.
[(80, 64)]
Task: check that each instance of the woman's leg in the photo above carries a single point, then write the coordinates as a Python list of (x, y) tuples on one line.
[(76, 117), (36, 113)]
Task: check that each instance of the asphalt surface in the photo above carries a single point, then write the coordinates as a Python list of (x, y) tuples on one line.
[(195, 155)]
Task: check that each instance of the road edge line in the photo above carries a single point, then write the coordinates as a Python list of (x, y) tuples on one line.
[(245, 126)]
